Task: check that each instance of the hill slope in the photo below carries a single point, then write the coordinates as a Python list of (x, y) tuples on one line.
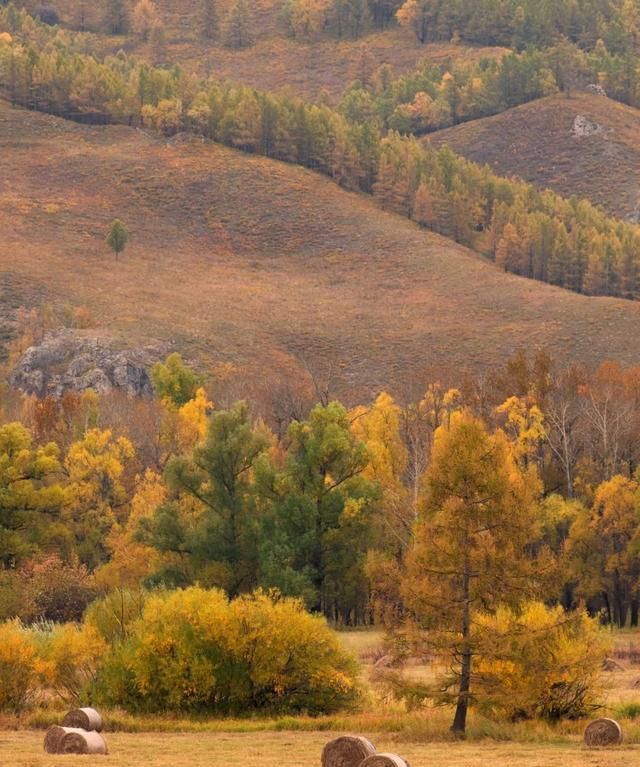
[(537, 142), (238, 258)]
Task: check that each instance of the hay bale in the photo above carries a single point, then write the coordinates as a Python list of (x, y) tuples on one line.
[(82, 742), (384, 760), (84, 718), (53, 738), (54, 735), (347, 751), (603, 732)]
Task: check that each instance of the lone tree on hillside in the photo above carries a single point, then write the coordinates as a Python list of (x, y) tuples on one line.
[(117, 237)]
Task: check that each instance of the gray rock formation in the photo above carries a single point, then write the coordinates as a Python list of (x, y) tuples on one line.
[(70, 360), (583, 127)]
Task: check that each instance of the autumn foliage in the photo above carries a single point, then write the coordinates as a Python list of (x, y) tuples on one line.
[(195, 650)]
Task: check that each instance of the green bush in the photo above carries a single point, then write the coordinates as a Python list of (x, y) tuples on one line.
[(194, 650)]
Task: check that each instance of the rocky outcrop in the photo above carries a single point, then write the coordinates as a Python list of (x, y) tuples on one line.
[(70, 360), (583, 127)]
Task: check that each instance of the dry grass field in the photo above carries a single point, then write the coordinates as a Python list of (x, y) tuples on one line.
[(234, 258), (24, 749), (421, 737), (536, 142)]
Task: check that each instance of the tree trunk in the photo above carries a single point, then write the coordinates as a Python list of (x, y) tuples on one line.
[(634, 612), (460, 719)]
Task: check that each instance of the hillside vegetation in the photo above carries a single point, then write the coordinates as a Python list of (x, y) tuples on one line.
[(541, 143), (240, 258)]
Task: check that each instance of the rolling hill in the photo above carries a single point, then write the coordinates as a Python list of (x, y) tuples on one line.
[(597, 157), (241, 259)]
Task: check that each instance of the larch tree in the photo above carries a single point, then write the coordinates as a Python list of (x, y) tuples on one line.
[(118, 237), (146, 21), (415, 14), (470, 549), (239, 25)]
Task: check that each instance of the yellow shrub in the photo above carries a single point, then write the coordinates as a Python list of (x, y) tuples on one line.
[(196, 650), (20, 667), (540, 662), (73, 656)]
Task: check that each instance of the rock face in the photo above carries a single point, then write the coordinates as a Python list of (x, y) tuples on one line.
[(68, 360), (582, 127)]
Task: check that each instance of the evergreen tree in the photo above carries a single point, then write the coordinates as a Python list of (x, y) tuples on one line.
[(118, 237)]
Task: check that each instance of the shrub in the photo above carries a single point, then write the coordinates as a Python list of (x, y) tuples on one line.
[(194, 650), (19, 666), (540, 662), (53, 590), (113, 615), (73, 655)]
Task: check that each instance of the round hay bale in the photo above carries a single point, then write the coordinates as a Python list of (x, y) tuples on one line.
[(84, 718), (603, 732), (82, 742), (347, 751), (53, 738), (384, 760)]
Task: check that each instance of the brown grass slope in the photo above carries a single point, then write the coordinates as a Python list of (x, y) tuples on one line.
[(239, 258), (537, 143)]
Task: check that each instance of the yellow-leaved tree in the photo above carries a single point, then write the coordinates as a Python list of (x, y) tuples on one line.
[(471, 548), (95, 494), (131, 560), (378, 427)]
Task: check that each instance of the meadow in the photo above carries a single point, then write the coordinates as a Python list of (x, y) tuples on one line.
[(422, 737), (24, 749)]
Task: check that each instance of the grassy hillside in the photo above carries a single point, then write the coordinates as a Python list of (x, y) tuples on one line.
[(236, 258), (537, 142), (309, 69)]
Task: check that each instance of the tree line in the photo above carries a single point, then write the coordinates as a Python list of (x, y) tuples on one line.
[(537, 234), (106, 492)]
